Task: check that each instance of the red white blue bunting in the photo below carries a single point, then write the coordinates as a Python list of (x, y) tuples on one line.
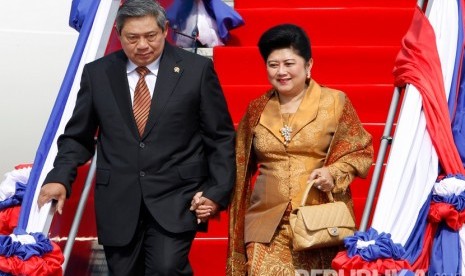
[(23, 253), (434, 244)]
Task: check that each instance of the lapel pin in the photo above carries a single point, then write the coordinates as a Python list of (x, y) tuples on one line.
[(176, 69)]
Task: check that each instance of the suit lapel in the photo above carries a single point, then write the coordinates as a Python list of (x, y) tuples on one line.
[(120, 87), (169, 73)]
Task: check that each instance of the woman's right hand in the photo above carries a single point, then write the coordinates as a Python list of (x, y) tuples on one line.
[(324, 181)]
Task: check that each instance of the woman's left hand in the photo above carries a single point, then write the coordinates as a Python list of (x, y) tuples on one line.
[(324, 180)]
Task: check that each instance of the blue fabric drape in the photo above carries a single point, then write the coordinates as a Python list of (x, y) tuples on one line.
[(16, 199), (79, 12), (458, 201), (226, 17), (458, 60), (9, 248), (405, 272), (383, 246), (414, 244), (55, 117), (457, 94), (446, 255)]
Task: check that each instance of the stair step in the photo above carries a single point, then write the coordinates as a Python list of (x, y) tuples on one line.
[(359, 187), (328, 26), (362, 97), (254, 4), (331, 66)]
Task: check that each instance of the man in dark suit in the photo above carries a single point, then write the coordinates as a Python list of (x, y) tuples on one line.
[(147, 178)]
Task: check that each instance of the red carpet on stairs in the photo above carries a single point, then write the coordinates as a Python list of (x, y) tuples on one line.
[(332, 65), (362, 97), (258, 4), (354, 47), (328, 26), (354, 44)]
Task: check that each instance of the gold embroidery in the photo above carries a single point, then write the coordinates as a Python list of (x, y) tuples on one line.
[(343, 159), (278, 258)]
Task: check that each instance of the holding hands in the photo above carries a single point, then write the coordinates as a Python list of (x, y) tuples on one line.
[(324, 180), (204, 208)]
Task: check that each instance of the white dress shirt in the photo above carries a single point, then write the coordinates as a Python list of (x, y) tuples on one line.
[(150, 78)]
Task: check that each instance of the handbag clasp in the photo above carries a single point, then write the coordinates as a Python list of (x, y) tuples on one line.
[(333, 231)]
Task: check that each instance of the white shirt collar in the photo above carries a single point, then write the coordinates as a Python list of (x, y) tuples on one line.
[(153, 67)]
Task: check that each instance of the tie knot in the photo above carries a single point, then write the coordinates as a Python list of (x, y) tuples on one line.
[(142, 71)]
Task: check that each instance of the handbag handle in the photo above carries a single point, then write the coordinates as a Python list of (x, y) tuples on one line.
[(307, 191)]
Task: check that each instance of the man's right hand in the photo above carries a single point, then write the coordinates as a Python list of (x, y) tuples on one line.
[(52, 191)]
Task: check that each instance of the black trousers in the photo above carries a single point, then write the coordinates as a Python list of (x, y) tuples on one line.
[(152, 251)]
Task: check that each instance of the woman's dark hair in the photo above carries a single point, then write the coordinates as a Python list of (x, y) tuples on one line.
[(285, 36)]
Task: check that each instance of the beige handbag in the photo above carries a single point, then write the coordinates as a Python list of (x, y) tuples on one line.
[(322, 225)]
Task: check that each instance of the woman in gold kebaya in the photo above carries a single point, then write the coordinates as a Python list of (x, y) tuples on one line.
[(296, 132)]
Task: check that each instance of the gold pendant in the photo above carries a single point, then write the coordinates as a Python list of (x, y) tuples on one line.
[(286, 132)]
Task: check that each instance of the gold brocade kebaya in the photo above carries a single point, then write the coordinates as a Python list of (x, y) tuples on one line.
[(326, 131)]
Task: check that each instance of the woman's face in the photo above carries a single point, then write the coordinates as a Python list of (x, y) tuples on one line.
[(287, 71)]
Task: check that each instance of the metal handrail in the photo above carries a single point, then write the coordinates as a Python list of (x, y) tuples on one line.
[(91, 173), (79, 211)]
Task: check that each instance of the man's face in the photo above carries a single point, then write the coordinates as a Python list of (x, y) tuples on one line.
[(142, 40)]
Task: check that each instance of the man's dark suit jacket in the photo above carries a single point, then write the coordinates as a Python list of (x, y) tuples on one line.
[(187, 146)]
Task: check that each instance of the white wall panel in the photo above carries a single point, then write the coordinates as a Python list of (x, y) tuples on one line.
[(36, 45)]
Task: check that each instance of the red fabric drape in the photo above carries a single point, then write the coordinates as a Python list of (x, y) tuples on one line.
[(418, 63), (49, 264), (441, 211), (9, 219), (349, 266), (422, 262)]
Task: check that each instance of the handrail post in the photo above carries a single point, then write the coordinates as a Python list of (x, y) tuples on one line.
[(80, 210), (386, 139)]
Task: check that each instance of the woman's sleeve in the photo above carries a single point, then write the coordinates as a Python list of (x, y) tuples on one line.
[(351, 151)]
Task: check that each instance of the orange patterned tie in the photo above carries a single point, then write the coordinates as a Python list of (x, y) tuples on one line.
[(141, 105)]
